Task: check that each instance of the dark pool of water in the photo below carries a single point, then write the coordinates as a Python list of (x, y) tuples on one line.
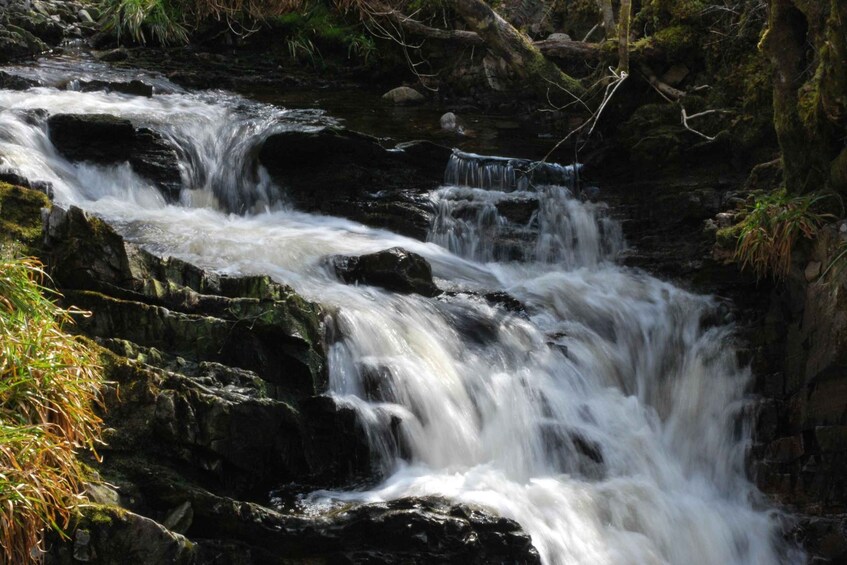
[(367, 112)]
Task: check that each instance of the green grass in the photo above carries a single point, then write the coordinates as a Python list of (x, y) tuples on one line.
[(49, 384), (771, 229), (162, 21)]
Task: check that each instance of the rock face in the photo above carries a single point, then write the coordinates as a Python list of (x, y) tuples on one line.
[(800, 358), (336, 172), (105, 139), (393, 269)]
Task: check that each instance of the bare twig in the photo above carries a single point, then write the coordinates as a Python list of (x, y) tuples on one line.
[(666, 91), (686, 117)]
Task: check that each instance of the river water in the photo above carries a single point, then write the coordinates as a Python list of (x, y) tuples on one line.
[(609, 418)]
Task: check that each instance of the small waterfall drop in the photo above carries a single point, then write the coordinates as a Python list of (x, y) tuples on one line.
[(606, 417), (495, 209)]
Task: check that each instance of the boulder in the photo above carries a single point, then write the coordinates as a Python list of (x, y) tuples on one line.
[(108, 535), (394, 269), (404, 96), (17, 43), (323, 172), (10, 81), (105, 139), (99, 138)]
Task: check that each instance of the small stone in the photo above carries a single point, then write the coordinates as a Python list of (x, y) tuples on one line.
[(449, 121), (559, 37), (813, 271), (101, 494), (82, 549), (403, 95), (84, 16), (725, 219)]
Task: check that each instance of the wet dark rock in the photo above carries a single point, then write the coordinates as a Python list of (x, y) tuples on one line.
[(106, 139), (107, 535), (9, 81), (43, 27), (17, 43), (100, 138), (223, 530), (336, 445), (171, 305), (505, 300), (470, 323), (346, 174), (133, 87), (393, 269), (518, 210), (155, 159)]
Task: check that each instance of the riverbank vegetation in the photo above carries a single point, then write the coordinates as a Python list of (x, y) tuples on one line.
[(48, 390)]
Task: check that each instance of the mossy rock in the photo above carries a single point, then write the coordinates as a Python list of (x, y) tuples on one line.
[(108, 535), (20, 218), (675, 43)]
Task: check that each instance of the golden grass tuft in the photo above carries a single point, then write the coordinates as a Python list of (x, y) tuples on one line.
[(772, 228), (49, 383)]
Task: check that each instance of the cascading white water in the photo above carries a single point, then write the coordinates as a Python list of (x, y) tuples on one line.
[(547, 225), (608, 420)]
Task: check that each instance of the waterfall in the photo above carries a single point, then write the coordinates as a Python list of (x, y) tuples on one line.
[(608, 417), (496, 209)]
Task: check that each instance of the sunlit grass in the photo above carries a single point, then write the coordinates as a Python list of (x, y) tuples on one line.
[(48, 387), (771, 229)]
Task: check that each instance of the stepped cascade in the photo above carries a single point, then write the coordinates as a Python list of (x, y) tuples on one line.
[(606, 413)]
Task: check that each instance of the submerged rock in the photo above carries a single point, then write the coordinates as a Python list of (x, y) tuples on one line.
[(404, 96), (393, 269)]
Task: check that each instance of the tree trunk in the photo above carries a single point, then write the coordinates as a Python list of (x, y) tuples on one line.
[(810, 106), (608, 18), (623, 36), (513, 47)]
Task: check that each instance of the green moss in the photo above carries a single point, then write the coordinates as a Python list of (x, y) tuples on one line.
[(727, 238), (20, 217), (677, 41), (100, 515)]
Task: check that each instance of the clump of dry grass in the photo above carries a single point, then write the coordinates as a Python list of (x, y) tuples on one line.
[(772, 228), (49, 384)]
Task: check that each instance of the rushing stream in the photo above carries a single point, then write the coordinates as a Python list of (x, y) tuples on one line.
[(609, 419)]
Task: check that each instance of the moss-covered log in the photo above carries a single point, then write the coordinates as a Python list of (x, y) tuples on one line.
[(513, 46)]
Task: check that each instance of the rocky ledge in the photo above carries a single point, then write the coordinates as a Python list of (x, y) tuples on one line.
[(215, 397)]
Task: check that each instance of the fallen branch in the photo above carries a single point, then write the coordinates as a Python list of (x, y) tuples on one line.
[(686, 117), (666, 91)]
